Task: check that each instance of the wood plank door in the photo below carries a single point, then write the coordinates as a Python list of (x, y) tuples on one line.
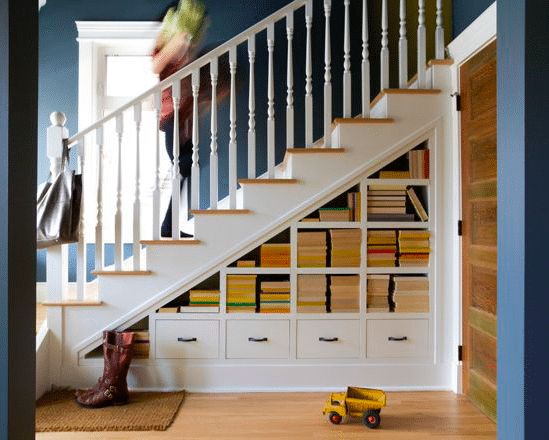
[(479, 213)]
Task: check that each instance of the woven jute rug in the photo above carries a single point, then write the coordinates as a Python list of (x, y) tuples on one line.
[(58, 411)]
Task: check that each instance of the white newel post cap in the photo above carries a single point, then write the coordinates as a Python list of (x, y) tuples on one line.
[(55, 135)]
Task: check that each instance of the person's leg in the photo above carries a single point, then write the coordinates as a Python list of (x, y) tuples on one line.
[(185, 162)]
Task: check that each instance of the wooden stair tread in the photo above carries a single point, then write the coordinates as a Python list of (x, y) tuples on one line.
[(445, 62), (404, 92), (71, 303), (314, 150), (220, 211), (365, 121), (266, 181), (169, 241), (122, 272)]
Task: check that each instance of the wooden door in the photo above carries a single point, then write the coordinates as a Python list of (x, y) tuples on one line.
[(479, 213)]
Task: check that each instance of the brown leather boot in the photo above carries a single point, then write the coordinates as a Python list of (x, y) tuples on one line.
[(111, 388)]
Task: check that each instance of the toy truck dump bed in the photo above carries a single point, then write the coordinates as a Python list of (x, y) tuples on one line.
[(356, 402)]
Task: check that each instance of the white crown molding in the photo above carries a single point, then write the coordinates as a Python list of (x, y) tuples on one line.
[(108, 30)]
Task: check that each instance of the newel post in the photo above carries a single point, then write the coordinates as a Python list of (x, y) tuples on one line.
[(57, 256)]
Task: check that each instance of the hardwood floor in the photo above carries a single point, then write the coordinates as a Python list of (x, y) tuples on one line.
[(410, 416)]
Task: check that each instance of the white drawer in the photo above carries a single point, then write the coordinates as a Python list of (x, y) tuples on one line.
[(253, 339), (397, 338), (328, 338), (188, 339)]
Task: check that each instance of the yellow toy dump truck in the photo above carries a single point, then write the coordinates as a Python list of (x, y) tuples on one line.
[(356, 402)]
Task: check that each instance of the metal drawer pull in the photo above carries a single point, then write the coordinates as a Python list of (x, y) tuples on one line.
[(328, 339), (186, 339), (392, 338), (257, 339)]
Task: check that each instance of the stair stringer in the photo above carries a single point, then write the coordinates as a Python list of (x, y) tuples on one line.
[(384, 144)]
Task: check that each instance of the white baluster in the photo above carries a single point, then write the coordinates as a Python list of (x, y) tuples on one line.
[(57, 256), (327, 77), (99, 224), (251, 108), (81, 255), (118, 245), (214, 71), (365, 63), (176, 172), (195, 167), (402, 48), (290, 81), (439, 39), (232, 134), (421, 47), (270, 104), (384, 47), (156, 190), (308, 77), (347, 64), (137, 200)]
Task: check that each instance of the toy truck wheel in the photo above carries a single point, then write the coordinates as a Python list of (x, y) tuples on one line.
[(371, 419), (335, 418)]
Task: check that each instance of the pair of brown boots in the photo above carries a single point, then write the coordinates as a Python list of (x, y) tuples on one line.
[(111, 388)]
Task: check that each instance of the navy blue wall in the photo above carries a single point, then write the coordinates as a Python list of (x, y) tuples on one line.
[(464, 12)]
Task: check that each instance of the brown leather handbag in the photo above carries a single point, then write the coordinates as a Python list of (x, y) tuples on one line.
[(58, 207)]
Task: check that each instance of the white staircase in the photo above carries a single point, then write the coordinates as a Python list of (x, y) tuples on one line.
[(399, 120)]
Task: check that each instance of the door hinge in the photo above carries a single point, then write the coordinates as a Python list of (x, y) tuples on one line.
[(460, 227), (460, 352), (458, 101)]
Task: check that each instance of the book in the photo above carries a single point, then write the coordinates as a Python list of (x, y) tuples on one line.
[(394, 174), (416, 203), (168, 310), (245, 263)]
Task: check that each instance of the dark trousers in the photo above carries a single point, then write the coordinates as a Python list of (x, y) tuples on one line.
[(185, 162)]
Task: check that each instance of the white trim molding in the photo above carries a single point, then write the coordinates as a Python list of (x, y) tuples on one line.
[(477, 35), (109, 30)]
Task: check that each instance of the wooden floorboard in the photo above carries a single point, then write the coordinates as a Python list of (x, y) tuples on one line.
[(410, 416)]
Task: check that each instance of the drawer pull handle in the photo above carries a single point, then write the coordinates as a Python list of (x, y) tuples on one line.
[(328, 339), (257, 339), (186, 339), (392, 338)]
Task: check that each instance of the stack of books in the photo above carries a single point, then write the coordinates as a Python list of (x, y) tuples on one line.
[(345, 247), (344, 293), (275, 255), (378, 293), (311, 293), (311, 249), (334, 214), (274, 297), (202, 301), (414, 248), (241, 293), (419, 164), (387, 203), (353, 202), (141, 344), (411, 294), (382, 248)]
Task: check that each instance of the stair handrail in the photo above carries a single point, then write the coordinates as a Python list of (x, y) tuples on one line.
[(195, 65)]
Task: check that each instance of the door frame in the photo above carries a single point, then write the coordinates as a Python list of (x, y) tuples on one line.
[(473, 39)]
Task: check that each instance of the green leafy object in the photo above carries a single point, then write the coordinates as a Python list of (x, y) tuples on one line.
[(188, 17)]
